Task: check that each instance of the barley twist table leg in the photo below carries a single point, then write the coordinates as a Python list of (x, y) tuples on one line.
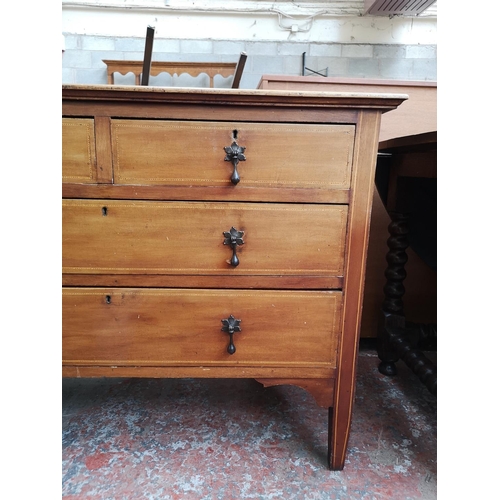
[(392, 314)]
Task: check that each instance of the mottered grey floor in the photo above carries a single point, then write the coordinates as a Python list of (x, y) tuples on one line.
[(169, 439)]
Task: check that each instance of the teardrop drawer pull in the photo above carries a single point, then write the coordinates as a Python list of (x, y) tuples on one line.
[(231, 326), (234, 238), (234, 154)]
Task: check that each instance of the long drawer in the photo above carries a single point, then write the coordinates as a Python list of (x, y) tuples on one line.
[(137, 237), (166, 327), (149, 152)]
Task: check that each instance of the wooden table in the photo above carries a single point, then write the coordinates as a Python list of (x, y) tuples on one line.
[(219, 234), (173, 68), (416, 115), (406, 179)]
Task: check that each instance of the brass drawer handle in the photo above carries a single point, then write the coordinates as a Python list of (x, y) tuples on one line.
[(234, 154), (231, 326), (233, 237)]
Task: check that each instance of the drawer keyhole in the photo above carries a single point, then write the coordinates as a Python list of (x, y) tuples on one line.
[(108, 299), (104, 211)]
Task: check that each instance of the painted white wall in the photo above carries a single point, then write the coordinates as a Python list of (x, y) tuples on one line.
[(334, 34), (258, 20)]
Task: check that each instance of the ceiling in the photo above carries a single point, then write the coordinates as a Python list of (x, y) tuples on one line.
[(397, 7)]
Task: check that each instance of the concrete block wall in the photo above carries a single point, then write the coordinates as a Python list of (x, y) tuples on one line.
[(82, 59)]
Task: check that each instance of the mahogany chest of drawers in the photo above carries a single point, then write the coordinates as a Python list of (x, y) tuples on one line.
[(218, 234)]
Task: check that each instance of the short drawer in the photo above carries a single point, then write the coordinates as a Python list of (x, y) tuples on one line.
[(162, 327), (181, 153), (78, 151), (140, 237)]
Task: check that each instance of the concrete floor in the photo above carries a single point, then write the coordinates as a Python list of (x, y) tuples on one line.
[(127, 439)]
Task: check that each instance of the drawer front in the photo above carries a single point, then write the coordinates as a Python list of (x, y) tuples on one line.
[(125, 237), (147, 152), (158, 327), (78, 151)]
